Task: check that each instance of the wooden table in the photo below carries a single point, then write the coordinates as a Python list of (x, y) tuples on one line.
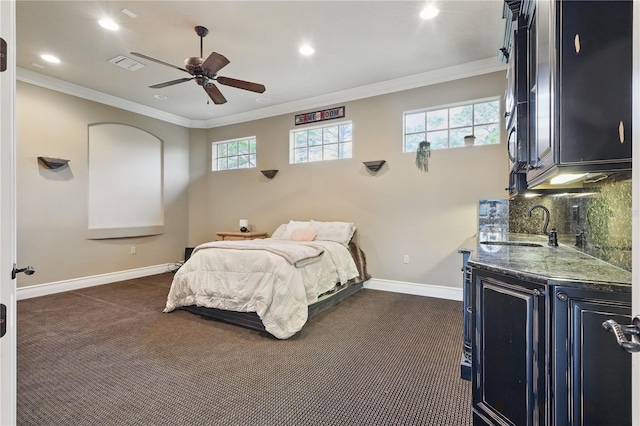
[(234, 236)]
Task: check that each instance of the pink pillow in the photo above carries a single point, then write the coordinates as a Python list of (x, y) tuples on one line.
[(308, 233)]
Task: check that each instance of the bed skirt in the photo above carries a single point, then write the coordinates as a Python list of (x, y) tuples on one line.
[(253, 321)]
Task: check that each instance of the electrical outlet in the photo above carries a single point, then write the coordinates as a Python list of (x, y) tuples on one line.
[(133, 250), (405, 258)]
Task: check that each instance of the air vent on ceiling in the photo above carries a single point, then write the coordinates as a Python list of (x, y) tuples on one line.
[(126, 63)]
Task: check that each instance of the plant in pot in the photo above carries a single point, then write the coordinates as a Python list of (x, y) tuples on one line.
[(422, 156)]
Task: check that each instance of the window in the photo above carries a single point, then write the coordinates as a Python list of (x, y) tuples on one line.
[(446, 127), (234, 154), (320, 143)]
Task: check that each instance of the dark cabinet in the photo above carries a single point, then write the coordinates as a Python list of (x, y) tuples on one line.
[(465, 361), (592, 373), (582, 91), (509, 351), (517, 95), (541, 356)]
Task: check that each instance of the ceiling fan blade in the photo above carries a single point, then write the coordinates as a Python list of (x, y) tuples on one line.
[(214, 93), (158, 61), (241, 84), (170, 83), (214, 63)]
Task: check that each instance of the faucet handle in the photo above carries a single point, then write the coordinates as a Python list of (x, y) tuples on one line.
[(553, 238)]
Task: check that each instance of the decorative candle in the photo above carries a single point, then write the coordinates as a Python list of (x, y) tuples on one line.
[(244, 225)]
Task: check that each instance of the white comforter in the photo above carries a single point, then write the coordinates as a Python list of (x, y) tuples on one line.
[(277, 279)]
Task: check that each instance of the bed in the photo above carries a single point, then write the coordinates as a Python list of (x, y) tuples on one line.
[(274, 284)]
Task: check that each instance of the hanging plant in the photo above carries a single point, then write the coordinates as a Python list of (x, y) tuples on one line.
[(422, 156)]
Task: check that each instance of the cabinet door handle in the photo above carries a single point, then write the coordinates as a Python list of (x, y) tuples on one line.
[(576, 43), (621, 132), (620, 332)]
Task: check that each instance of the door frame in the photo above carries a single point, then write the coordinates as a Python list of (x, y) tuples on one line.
[(8, 366), (635, 225)]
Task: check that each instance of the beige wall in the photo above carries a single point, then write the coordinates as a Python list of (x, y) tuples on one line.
[(400, 210), (52, 204)]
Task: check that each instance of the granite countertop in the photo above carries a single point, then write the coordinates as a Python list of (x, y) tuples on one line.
[(563, 265)]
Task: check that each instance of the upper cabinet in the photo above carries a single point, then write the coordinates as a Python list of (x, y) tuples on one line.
[(579, 75), (582, 87)]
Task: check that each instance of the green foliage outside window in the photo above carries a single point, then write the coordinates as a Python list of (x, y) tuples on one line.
[(234, 154), (330, 142), (446, 127)]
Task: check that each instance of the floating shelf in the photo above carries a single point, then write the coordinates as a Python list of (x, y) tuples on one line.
[(52, 163), (269, 173), (374, 166)]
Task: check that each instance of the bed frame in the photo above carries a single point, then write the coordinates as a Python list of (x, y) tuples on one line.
[(253, 321), (324, 302)]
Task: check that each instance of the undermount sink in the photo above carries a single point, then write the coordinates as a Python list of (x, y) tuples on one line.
[(511, 243)]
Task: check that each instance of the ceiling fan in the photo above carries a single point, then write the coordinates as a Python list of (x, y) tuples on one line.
[(204, 72)]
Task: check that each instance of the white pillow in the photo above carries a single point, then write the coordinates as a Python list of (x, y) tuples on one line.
[(340, 232), (292, 226), (279, 232)]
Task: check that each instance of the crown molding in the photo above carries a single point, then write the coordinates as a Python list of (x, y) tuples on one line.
[(62, 86), (442, 75), (457, 72)]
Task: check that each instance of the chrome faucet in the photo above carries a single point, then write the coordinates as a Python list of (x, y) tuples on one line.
[(553, 235)]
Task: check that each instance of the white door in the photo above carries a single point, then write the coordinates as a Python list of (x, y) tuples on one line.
[(7, 217)]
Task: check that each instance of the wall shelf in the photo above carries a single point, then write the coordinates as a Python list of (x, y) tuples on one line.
[(374, 166), (269, 173), (52, 163)]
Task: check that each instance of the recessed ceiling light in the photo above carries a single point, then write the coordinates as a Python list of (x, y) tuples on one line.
[(162, 97), (307, 50), (108, 24), (37, 65), (50, 58), (429, 12), (263, 100)]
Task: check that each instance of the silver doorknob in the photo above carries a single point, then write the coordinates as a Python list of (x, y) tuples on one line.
[(621, 333)]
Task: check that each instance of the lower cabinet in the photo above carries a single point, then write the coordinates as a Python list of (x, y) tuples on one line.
[(509, 351), (542, 357), (592, 373)]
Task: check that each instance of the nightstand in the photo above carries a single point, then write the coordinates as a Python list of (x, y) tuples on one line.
[(235, 236)]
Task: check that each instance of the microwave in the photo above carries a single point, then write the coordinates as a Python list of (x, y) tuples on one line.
[(517, 137)]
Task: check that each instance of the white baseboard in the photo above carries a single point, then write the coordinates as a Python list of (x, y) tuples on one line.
[(83, 282), (428, 290), (37, 290)]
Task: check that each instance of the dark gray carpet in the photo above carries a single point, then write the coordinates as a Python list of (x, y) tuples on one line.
[(107, 355)]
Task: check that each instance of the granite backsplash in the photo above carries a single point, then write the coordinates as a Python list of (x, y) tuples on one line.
[(596, 219)]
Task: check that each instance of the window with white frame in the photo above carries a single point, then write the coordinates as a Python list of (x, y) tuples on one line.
[(446, 127), (320, 143), (234, 154)]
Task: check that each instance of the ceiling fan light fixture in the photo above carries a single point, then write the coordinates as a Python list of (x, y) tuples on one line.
[(109, 24), (204, 72), (429, 12)]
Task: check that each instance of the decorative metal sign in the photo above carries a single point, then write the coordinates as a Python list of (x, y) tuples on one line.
[(323, 115)]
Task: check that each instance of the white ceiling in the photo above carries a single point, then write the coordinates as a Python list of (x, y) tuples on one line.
[(359, 45)]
